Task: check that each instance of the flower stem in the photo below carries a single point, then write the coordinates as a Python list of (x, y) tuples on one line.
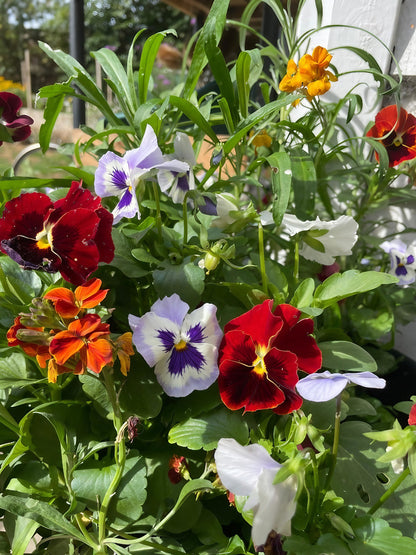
[(389, 492), (185, 220), (296, 260), (264, 279), (335, 443), (158, 216)]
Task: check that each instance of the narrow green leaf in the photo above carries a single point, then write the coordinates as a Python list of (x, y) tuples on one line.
[(130, 71), (147, 60), (281, 177), (304, 182), (40, 512), (16, 183), (194, 115), (242, 73)]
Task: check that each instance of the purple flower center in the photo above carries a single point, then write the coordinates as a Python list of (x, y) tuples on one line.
[(119, 178), (183, 354), (401, 270)]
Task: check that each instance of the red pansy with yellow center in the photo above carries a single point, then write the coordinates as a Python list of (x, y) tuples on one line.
[(70, 236), (397, 132), (260, 355)]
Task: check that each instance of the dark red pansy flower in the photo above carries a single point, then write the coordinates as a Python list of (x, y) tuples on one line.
[(70, 236), (412, 416), (397, 132), (17, 126), (260, 355)]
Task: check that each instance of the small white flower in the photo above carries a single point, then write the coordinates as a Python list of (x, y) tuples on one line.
[(402, 259), (323, 241), (174, 183), (325, 385), (226, 204), (396, 464), (250, 471)]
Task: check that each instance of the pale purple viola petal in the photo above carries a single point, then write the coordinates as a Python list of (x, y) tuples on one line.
[(154, 336), (396, 244), (112, 176), (366, 379), (189, 368), (239, 467), (173, 308), (321, 387), (183, 149), (148, 155), (127, 207)]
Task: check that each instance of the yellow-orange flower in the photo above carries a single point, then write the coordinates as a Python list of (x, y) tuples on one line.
[(310, 75), (262, 138), (124, 350)]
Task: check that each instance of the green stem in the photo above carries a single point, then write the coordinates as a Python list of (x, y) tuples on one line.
[(335, 443), (389, 492), (296, 260), (185, 220), (119, 456), (158, 216), (264, 279)]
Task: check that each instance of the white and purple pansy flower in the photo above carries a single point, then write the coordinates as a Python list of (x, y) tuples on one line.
[(182, 347), (326, 386), (177, 183), (402, 259), (119, 176)]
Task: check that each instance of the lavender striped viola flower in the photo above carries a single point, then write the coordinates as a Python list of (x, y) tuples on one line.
[(120, 175), (402, 259), (174, 183), (182, 347)]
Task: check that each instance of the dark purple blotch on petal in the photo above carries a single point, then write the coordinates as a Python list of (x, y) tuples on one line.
[(187, 356), (119, 178), (196, 334)]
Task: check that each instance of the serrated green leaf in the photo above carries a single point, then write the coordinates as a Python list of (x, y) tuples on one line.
[(205, 431)]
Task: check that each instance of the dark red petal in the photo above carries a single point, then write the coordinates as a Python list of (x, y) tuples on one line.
[(259, 323), (25, 252), (295, 336), (20, 133), (292, 402), (77, 197), (240, 386), (103, 238), (10, 104), (73, 239), (24, 215)]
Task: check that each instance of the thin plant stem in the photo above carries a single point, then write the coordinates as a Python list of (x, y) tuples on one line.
[(335, 442), (264, 280), (158, 216), (389, 492)]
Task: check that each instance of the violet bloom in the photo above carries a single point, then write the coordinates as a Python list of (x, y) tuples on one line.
[(182, 347), (17, 126), (250, 471), (176, 184), (325, 385), (402, 259), (120, 175)]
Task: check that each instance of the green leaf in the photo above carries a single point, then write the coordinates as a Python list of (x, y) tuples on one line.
[(24, 530), (194, 115), (147, 60), (14, 183), (140, 394), (380, 538), (340, 286), (303, 295), (304, 183), (242, 73), (50, 114), (92, 479), (205, 431), (40, 512), (13, 371), (281, 177), (345, 356), (96, 390), (186, 279)]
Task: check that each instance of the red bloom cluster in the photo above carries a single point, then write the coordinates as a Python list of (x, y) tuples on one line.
[(260, 355), (397, 132), (18, 127), (72, 340), (70, 236)]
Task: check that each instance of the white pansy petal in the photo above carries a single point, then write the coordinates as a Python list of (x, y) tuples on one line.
[(205, 317), (316, 256), (153, 336), (183, 149), (321, 387), (112, 176), (366, 379), (127, 206), (189, 369), (294, 226), (173, 308), (239, 467), (276, 507), (165, 179)]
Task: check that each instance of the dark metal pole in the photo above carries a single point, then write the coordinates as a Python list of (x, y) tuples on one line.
[(77, 51)]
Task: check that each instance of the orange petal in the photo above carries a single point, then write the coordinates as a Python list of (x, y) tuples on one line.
[(99, 354), (64, 301), (64, 345), (90, 295)]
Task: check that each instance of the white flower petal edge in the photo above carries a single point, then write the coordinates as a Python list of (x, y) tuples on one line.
[(326, 386), (340, 237), (250, 471)]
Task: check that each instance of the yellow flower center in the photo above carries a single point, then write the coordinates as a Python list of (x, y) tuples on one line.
[(259, 366), (44, 239), (398, 141), (181, 346)]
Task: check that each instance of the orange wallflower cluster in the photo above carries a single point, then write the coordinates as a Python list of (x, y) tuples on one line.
[(310, 75), (62, 335)]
